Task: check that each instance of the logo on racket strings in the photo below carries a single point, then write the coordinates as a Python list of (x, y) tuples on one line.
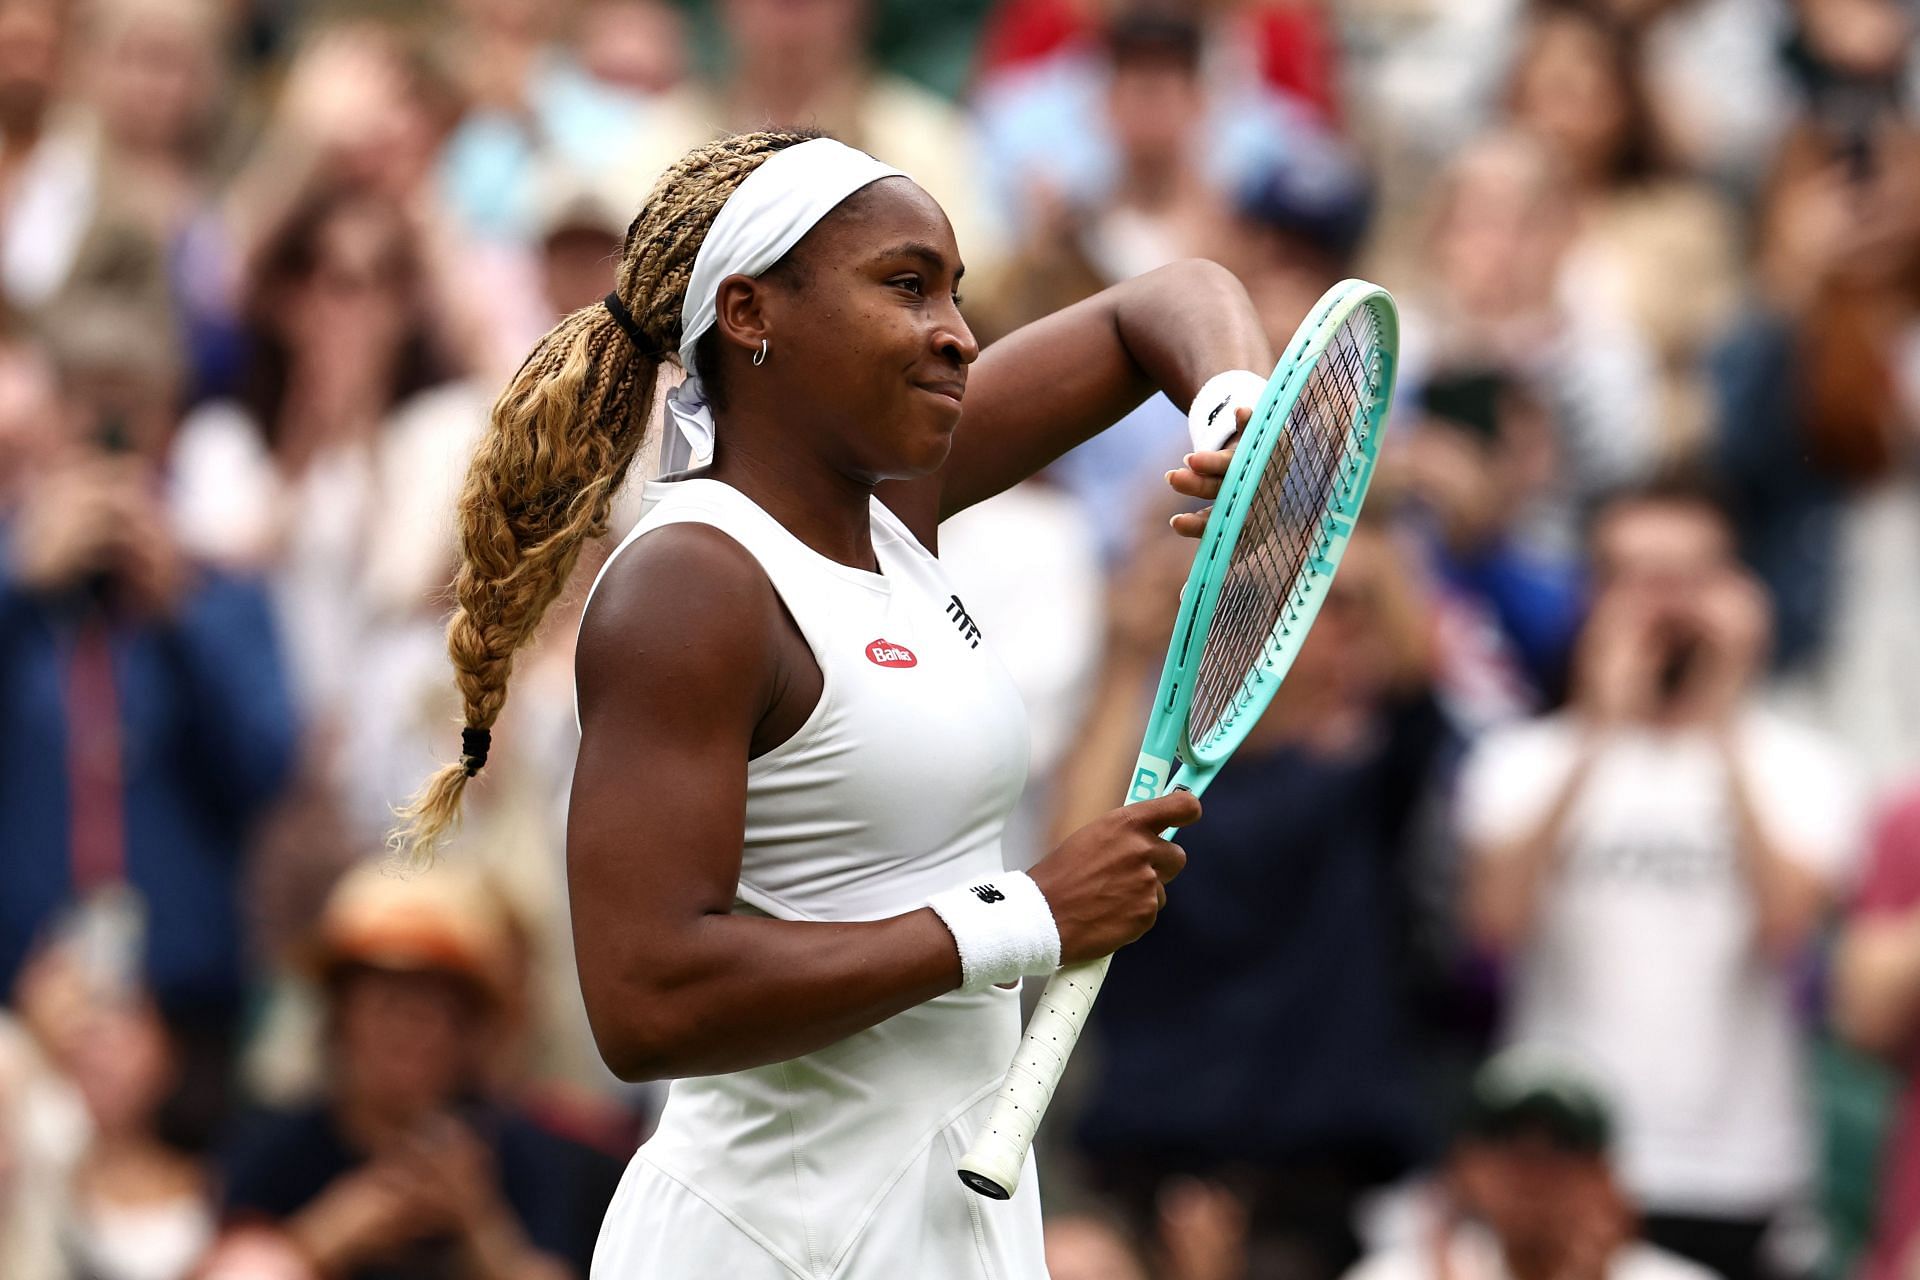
[(885, 653)]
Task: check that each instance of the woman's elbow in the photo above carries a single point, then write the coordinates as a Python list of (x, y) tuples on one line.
[(643, 1042)]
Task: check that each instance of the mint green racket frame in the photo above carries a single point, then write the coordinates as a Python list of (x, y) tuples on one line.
[(992, 1165)]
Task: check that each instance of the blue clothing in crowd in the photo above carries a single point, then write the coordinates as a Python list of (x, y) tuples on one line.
[(1787, 512), (1266, 1016), (1539, 603), (206, 730)]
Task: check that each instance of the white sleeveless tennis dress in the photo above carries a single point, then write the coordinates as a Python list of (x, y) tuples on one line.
[(840, 1165)]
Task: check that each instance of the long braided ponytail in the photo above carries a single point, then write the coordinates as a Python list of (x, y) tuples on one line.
[(561, 438)]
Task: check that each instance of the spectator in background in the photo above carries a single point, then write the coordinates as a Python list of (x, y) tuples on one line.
[(1291, 43), (1529, 1189), (1423, 73), (1157, 208), (148, 721), (153, 78), (1820, 399), (136, 1203), (1651, 862), (579, 226), (1275, 984), (1047, 121), (637, 47), (336, 468), (529, 105), (1298, 226), (1877, 1007), (807, 66), (1488, 296), (1653, 248), (411, 1167), (365, 111), (1077, 242), (1475, 454), (148, 124)]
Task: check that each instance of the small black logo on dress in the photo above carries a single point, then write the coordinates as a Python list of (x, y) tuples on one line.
[(988, 894), (969, 631)]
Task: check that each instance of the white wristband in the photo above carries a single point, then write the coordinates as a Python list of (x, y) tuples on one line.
[(1003, 927), (1211, 421)]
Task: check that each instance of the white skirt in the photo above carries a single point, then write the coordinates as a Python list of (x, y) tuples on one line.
[(928, 1226)]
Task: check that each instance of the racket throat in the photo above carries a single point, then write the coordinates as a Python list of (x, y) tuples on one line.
[(1151, 776)]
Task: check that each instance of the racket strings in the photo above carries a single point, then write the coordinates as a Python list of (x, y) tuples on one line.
[(1273, 565)]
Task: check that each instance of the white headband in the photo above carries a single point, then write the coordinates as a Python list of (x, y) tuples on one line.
[(768, 213)]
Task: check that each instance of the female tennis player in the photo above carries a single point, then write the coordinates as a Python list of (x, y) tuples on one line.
[(797, 747)]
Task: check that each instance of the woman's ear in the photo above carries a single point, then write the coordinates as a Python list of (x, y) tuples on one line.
[(741, 312)]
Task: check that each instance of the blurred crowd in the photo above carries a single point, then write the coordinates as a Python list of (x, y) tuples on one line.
[(1561, 920)]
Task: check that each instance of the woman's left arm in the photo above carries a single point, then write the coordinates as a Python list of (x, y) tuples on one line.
[(1061, 380)]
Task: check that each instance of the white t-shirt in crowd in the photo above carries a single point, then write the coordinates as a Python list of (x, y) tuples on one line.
[(1643, 960), (1474, 1254)]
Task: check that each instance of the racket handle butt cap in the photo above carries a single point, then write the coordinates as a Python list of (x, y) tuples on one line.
[(985, 1185)]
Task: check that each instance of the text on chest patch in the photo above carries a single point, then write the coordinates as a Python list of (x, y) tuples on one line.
[(885, 653)]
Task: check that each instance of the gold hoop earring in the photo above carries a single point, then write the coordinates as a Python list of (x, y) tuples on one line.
[(760, 356)]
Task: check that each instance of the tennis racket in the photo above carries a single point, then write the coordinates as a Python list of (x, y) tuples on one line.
[(1260, 573)]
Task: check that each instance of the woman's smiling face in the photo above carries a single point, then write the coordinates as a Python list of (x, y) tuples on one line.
[(865, 338)]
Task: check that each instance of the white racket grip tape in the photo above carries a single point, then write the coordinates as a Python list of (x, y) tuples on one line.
[(992, 1164)]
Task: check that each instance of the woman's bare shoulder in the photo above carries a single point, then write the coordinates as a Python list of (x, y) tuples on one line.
[(682, 610)]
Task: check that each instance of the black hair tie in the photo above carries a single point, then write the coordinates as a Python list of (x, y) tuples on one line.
[(631, 327), (473, 748)]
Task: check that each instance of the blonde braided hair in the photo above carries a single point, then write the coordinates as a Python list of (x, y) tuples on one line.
[(561, 438)]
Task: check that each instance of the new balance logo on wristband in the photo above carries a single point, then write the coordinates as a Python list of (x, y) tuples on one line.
[(988, 894)]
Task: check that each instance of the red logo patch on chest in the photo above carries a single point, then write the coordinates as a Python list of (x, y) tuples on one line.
[(885, 653)]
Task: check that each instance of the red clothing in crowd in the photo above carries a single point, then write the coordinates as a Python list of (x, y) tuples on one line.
[(1893, 887), (1296, 48)]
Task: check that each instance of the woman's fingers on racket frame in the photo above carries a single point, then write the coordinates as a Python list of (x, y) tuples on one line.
[(1190, 524), (1199, 476), (1169, 860), (1178, 808)]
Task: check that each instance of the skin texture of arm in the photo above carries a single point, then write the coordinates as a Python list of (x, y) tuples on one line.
[(1061, 380)]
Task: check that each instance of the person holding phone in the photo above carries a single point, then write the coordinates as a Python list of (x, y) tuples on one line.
[(1651, 860), (147, 713)]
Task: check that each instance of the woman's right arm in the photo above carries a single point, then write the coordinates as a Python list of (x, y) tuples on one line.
[(680, 658)]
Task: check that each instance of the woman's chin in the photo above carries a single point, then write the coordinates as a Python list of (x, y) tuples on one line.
[(926, 454)]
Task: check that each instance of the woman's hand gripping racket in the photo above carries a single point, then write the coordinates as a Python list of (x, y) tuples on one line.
[(1271, 545)]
